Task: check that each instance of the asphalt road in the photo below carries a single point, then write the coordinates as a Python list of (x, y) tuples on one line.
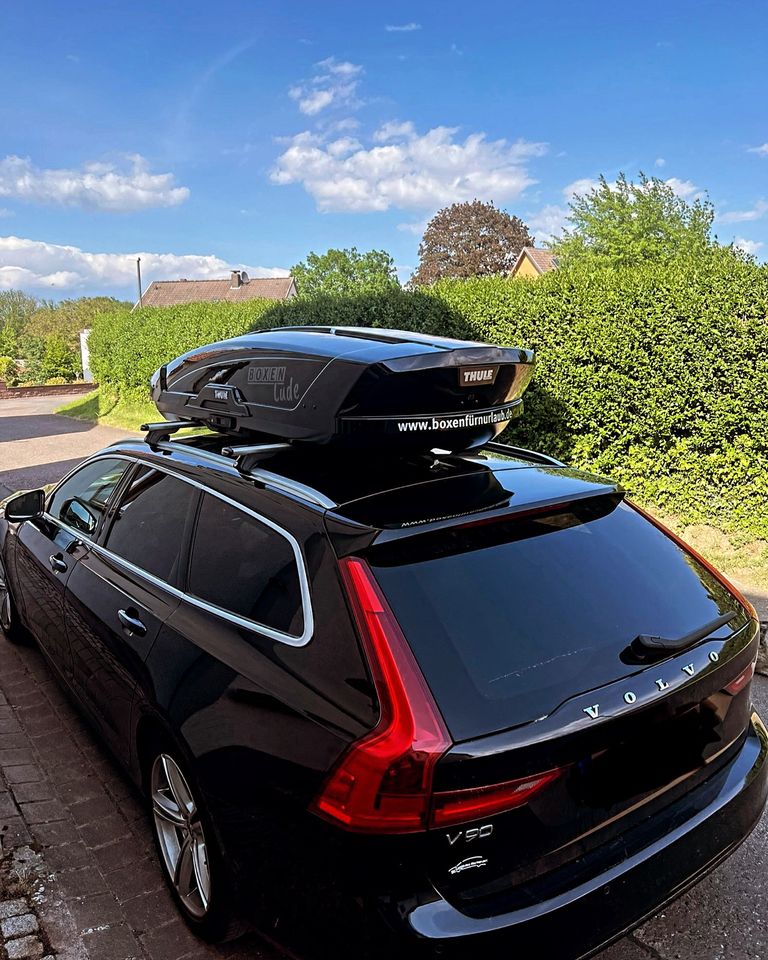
[(724, 916)]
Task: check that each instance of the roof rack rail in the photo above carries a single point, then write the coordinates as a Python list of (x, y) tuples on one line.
[(522, 452), (157, 432)]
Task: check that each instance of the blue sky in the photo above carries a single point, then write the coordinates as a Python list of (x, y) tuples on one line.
[(204, 136)]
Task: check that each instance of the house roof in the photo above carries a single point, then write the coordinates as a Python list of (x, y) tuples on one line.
[(167, 293), (543, 260)]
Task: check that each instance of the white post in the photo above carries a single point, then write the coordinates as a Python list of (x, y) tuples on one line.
[(85, 356)]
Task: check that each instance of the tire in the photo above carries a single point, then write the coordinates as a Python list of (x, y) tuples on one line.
[(9, 617), (190, 857)]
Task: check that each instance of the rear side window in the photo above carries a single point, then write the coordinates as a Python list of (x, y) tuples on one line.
[(510, 619), (82, 499), (244, 567), (149, 526)]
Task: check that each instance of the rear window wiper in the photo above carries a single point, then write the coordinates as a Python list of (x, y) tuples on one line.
[(647, 644)]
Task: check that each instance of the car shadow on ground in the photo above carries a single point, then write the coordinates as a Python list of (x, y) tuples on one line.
[(28, 478), (34, 426)]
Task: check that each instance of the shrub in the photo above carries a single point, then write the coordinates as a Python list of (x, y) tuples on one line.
[(656, 374), (7, 368), (126, 346)]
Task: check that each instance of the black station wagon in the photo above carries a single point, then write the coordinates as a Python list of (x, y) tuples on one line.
[(389, 687)]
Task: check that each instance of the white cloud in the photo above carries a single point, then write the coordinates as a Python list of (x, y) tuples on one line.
[(402, 28), (580, 187), (336, 85), (406, 170), (761, 151), (547, 223), (34, 265), (416, 227), (748, 246), (684, 189), (741, 216), (659, 162), (5, 212), (99, 186)]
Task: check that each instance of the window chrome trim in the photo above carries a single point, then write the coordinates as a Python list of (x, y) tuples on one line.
[(261, 628)]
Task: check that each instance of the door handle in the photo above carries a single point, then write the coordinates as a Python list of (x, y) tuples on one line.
[(57, 563), (131, 623)]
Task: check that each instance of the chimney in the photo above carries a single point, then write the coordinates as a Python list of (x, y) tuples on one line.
[(236, 279)]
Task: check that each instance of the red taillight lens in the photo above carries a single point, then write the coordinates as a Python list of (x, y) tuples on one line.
[(458, 806), (383, 783), (738, 684)]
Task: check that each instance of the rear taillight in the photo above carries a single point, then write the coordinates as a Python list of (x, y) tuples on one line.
[(383, 783), (459, 806), (738, 684)]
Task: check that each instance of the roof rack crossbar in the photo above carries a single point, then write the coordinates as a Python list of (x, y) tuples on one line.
[(522, 452), (247, 455), (157, 432)]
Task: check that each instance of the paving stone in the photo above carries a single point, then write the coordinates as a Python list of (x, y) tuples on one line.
[(24, 773), (19, 926), (91, 810), (28, 948), (146, 911), (12, 741), (75, 791), (112, 943), (172, 941), (97, 910), (9, 727), (13, 832), (117, 854), (7, 806), (67, 856), (10, 758), (134, 879), (81, 882), (32, 792), (43, 811), (12, 908), (58, 832), (103, 831)]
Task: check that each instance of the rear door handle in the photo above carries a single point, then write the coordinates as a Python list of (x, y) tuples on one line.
[(131, 622), (57, 563)]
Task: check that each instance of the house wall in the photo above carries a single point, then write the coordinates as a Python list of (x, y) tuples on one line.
[(526, 269)]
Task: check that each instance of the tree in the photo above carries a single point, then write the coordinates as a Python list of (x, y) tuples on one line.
[(629, 223), (469, 240), (345, 272), (15, 310)]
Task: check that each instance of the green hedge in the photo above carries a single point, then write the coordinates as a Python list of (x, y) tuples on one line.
[(657, 375), (126, 346)]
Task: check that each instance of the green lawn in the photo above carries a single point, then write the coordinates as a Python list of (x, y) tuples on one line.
[(107, 408)]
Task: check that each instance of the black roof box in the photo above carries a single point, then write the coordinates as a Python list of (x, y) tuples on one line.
[(350, 386)]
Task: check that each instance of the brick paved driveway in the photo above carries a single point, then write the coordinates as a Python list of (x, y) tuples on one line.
[(60, 790)]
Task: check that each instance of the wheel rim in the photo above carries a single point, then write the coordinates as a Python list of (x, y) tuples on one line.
[(5, 603), (181, 836)]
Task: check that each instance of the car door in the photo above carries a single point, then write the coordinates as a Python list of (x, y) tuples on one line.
[(122, 591), (49, 548)]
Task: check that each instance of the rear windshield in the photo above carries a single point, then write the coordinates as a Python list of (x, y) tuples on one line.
[(508, 620)]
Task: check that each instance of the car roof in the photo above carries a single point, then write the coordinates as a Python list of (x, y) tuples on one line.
[(384, 492)]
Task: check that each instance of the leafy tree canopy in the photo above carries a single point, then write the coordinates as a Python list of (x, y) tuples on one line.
[(469, 240), (628, 223), (344, 272)]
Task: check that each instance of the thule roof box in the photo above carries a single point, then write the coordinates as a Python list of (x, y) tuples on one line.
[(348, 386)]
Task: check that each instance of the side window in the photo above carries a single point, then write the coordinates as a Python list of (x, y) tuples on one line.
[(150, 521), (245, 567), (81, 500)]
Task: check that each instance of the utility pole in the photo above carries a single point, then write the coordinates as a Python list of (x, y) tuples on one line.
[(138, 274)]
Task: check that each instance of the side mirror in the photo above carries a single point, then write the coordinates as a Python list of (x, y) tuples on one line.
[(77, 515), (25, 506)]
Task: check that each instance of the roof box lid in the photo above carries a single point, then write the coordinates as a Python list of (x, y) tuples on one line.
[(351, 386)]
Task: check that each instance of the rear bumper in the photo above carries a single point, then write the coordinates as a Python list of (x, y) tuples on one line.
[(590, 916)]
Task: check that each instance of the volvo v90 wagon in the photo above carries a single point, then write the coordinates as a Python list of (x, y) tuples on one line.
[(426, 702)]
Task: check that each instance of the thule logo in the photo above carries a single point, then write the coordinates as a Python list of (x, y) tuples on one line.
[(477, 376)]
